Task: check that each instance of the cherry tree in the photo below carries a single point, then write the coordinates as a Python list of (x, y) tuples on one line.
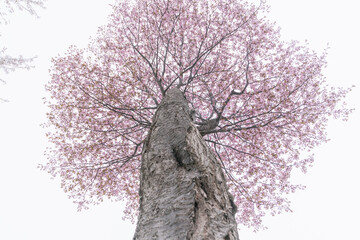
[(258, 102)]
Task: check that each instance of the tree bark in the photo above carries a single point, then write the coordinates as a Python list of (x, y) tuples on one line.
[(183, 193)]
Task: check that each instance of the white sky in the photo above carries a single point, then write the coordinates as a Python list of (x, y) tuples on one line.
[(34, 207)]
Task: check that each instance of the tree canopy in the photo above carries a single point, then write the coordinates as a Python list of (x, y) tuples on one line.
[(258, 101)]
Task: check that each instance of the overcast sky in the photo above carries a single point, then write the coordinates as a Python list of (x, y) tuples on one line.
[(34, 207)]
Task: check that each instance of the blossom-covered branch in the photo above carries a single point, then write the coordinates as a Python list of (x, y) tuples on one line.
[(9, 6)]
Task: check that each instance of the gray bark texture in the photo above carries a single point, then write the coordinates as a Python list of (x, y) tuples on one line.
[(183, 193)]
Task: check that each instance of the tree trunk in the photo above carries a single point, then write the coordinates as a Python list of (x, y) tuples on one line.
[(183, 193)]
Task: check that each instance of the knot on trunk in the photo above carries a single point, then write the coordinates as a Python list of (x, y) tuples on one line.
[(181, 154)]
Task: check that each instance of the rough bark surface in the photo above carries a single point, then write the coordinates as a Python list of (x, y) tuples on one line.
[(183, 193)]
